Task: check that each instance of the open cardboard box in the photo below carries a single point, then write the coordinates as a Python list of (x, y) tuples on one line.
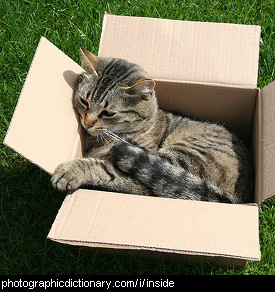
[(205, 70)]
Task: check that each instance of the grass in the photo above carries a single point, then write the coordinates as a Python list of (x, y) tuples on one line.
[(28, 204)]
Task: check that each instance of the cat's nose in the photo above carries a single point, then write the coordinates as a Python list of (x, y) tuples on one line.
[(89, 121), (85, 125), (88, 125)]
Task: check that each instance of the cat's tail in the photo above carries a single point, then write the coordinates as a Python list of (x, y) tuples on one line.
[(164, 179)]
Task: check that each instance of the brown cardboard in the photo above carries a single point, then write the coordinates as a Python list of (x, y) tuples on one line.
[(263, 136), (208, 91), (267, 96), (215, 103), (218, 53), (256, 147), (44, 121), (158, 224)]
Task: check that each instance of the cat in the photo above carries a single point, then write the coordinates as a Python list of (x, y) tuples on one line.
[(133, 146)]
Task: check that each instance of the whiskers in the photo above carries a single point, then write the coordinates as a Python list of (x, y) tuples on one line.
[(108, 136)]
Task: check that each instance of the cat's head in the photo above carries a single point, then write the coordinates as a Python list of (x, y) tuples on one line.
[(113, 95)]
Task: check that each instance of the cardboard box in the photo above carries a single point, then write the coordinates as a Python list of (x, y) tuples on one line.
[(206, 70)]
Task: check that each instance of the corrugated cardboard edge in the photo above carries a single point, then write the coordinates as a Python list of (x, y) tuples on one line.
[(205, 83), (257, 149), (18, 104), (148, 248), (153, 255), (79, 143)]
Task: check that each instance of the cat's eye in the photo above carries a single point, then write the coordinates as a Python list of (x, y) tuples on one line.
[(84, 102), (106, 114)]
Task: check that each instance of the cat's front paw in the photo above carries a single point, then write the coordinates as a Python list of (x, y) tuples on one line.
[(127, 157), (66, 177)]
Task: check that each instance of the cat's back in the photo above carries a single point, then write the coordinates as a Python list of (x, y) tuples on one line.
[(211, 152)]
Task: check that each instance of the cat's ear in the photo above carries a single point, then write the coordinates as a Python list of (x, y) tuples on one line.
[(89, 61), (144, 88)]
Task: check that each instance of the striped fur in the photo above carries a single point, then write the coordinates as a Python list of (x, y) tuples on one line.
[(165, 155)]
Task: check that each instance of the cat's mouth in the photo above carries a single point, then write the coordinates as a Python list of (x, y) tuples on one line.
[(103, 133), (105, 136), (92, 130), (96, 131)]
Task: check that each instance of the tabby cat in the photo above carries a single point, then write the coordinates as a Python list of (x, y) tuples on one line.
[(133, 146)]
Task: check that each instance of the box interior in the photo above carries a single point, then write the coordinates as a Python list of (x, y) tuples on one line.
[(204, 70), (232, 107)]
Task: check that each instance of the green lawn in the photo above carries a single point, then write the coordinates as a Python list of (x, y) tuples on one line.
[(28, 204)]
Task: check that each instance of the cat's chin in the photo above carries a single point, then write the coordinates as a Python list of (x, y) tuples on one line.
[(91, 132)]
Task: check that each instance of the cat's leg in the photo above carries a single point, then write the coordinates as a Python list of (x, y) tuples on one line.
[(73, 174)]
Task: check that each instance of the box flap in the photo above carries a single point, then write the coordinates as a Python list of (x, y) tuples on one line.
[(184, 50), (94, 218), (44, 127), (267, 101)]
